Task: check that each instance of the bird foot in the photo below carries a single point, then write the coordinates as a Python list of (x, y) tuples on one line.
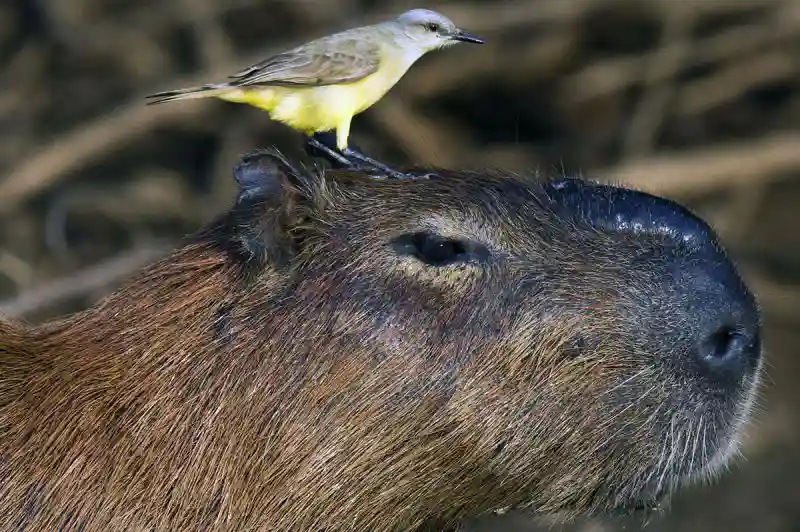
[(369, 161), (316, 148), (323, 145)]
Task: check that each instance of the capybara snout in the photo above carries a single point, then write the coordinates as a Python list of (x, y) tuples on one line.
[(691, 319), (714, 320), (345, 353)]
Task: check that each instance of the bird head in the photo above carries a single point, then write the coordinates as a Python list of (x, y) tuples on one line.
[(428, 30)]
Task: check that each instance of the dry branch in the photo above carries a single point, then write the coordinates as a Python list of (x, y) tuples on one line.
[(97, 277), (521, 13), (88, 141), (651, 108), (419, 136), (703, 170), (68, 153), (613, 75), (729, 83)]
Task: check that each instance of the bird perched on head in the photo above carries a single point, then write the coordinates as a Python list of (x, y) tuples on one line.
[(319, 86)]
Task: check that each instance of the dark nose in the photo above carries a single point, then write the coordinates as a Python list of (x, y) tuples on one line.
[(721, 318), (705, 316)]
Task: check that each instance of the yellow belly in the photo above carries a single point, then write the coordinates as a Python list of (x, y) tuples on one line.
[(314, 109)]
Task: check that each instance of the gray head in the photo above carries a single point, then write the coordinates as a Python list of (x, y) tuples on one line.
[(428, 30)]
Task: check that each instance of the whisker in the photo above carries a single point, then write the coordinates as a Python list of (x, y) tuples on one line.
[(626, 381), (669, 459)]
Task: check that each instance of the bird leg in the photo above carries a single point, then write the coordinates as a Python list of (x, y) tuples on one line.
[(324, 145), (316, 147), (369, 161)]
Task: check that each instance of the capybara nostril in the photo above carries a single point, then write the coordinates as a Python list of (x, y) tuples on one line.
[(721, 346), (728, 350), (726, 332)]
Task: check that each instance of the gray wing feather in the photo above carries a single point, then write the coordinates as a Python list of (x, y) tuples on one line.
[(327, 61)]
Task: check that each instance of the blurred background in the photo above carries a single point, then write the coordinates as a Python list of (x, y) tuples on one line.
[(697, 100)]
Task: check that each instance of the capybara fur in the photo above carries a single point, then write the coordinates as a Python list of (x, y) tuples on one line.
[(345, 353)]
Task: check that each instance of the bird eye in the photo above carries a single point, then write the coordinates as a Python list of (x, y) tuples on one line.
[(432, 26), (437, 250)]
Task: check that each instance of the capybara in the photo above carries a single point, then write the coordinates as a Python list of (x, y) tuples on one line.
[(344, 353)]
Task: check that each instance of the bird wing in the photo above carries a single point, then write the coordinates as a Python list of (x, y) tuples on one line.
[(327, 61)]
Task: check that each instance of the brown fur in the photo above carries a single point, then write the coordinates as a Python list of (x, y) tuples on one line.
[(284, 370)]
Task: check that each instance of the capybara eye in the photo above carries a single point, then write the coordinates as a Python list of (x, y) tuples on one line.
[(437, 250)]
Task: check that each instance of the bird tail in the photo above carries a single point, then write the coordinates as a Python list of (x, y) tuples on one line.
[(203, 91)]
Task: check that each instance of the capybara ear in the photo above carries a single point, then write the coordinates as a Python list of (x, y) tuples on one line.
[(266, 175), (272, 194)]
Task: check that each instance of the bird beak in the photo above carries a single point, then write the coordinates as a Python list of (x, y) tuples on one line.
[(463, 36)]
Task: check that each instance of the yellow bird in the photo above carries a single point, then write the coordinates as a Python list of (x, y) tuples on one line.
[(319, 86)]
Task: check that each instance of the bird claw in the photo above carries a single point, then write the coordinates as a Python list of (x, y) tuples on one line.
[(366, 161), (317, 148), (321, 145)]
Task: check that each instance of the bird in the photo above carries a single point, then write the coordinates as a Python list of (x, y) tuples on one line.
[(318, 87)]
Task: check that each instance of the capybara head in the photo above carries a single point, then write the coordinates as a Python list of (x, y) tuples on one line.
[(345, 353)]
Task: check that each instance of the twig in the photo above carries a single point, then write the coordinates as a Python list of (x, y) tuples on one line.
[(704, 170), (215, 47), (487, 15), (651, 108), (17, 270), (68, 152), (435, 76), (730, 82), (417, 135), (613, 75), (80, 283)]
